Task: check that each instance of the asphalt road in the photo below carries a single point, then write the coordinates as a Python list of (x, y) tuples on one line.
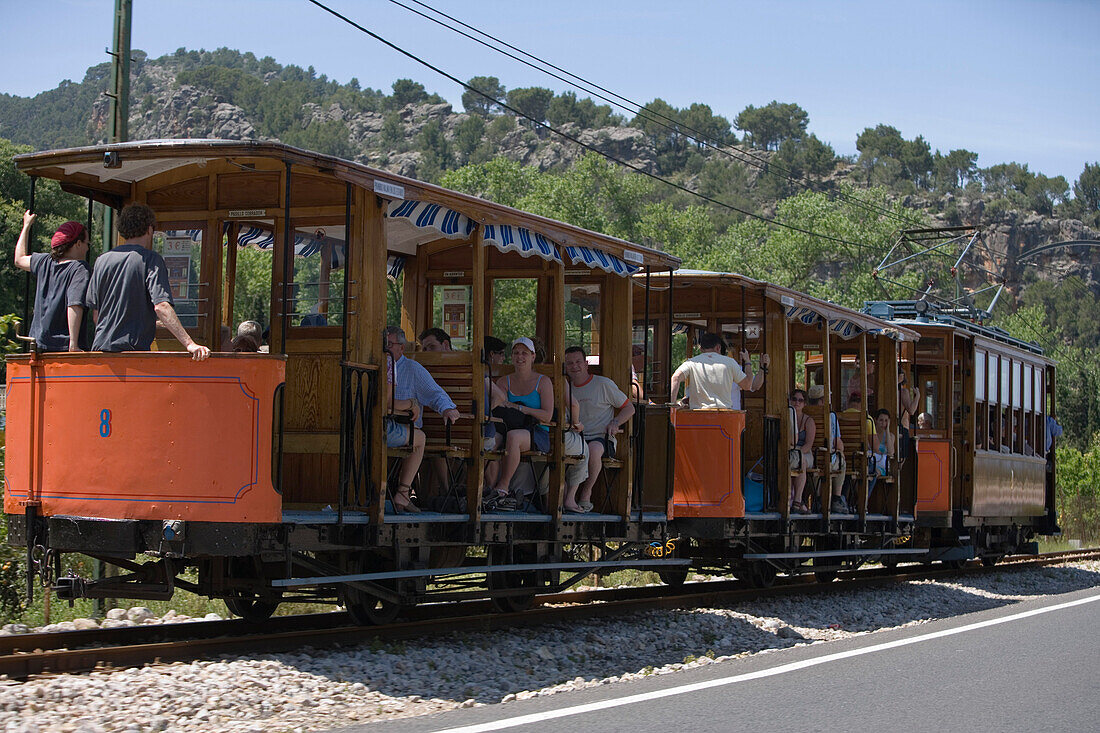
[(982, 671)]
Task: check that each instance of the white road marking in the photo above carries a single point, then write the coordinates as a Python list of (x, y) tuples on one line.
[(782, 669)]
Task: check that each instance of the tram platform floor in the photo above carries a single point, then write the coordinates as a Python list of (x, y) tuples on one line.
[(300, 516)]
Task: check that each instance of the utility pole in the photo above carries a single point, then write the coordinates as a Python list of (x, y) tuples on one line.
[(117, 121), (117, 132)]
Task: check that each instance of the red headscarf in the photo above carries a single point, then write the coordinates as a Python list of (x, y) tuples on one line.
[(67, 233)]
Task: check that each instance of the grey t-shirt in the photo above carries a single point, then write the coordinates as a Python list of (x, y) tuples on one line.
[(58, 285), (126, 283)]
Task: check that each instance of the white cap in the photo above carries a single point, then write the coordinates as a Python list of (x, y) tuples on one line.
[(526, 342)]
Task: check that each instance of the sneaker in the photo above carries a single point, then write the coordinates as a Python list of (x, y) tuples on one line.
[(838, 506)]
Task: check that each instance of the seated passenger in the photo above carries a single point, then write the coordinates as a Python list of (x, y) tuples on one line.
[(924, 421), (803, 433), (604, 409), (245, 344), (885, 444), (434, 339), (530, 396), (397, 436), (411, 381)]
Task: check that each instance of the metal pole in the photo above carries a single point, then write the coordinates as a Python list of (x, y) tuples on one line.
[(288, 253), (118, 130), (27, 275), (645, 337)]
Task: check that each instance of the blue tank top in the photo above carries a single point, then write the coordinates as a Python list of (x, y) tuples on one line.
[(531, 399)]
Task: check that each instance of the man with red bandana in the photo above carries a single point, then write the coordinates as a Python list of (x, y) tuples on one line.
[(61, 282)]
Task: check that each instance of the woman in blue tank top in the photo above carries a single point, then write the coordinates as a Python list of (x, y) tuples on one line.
[(531, 394)]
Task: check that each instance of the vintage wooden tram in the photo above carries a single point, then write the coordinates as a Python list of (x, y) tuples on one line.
[(261, 478)]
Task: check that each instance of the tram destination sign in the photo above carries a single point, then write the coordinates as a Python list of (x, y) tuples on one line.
[(389, 189), (247, 213)]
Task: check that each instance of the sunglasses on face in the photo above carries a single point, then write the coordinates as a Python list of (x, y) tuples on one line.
[(798, 399)]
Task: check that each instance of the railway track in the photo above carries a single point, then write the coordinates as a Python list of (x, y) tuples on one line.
[(27, 655)]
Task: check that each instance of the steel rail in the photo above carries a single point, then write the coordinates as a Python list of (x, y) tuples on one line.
[(28, 655)]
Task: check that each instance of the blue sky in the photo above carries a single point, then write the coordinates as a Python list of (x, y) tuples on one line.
[(1010, 80)]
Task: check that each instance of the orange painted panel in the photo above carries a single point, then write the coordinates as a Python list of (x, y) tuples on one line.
[(933, 475), (143, 436), (708, 463)]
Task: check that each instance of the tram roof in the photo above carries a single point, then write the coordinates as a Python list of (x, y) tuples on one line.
[(798, 305), (84, 171)]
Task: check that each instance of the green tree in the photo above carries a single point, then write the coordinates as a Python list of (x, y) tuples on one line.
[(474, 103), (768, 126), (407, 91), (1087, 188), (701, 124), (436, 152), (825, 268), (468, 136), (954, 170), (534, 102)]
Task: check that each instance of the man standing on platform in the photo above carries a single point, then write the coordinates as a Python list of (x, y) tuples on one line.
[(129, 291), (711, 377)]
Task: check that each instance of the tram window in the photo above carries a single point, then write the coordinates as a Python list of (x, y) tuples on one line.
[(679, 350), (252, 286), (991, 386), (1006, 389), (1016, 388), (653, 366), (980, 424), (582, 317), (395, 286), (979, 376), (182, 253), (930, 400), (317, 297), (451, 312), (515, 306)]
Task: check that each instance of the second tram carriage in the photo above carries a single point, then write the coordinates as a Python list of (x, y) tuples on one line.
[(268, 473)]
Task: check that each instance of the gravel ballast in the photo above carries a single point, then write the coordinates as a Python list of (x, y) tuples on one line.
[(317, 689)]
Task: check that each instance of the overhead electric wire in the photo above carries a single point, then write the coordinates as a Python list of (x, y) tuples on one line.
[(567, 136), (637, 108)]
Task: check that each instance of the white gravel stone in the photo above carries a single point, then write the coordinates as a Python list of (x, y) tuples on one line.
[(317, 689), (116, 614), (139, 614)]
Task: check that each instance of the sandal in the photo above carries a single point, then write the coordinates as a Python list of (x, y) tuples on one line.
[(798, 507), (586, 506), (402, 501)]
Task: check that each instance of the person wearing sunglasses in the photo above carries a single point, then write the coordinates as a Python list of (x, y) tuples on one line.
[(803, 431)]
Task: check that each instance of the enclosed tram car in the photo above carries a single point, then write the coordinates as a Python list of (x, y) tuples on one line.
[(262, 478)]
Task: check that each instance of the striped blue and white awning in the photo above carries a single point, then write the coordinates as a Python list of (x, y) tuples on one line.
[(304, 244), (842, 327), (395, 264), (423, 215), (508, 238), (598, 258)]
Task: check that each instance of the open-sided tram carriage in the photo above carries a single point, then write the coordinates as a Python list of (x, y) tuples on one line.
[(262, 478), (962, 491)]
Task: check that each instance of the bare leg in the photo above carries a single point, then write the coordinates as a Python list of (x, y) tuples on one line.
[(569, 501), (595, 465), (516, 442), (798, 483), (409, 467)]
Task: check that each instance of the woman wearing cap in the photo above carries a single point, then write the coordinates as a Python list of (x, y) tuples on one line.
[(62, 281), (532, 395)]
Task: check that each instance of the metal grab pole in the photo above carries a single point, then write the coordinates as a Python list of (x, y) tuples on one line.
[(27, 274)]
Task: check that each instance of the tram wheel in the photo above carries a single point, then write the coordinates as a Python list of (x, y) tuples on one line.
[(826, 576), (365, 609), (512, 581), (761, 574), (251, 610), (991, 560), (673, 578)]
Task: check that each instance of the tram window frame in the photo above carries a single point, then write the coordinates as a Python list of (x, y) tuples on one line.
[(438, 311), (591, 345), (203, 308), (333, 322), (981, 404), (238, 313), (993, 423), (536, 299)]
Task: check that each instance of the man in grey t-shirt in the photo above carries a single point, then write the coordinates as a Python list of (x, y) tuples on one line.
[(129, 291)]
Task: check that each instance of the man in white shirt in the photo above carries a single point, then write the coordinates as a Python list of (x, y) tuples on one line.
[(604, 409), (710, 377)]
